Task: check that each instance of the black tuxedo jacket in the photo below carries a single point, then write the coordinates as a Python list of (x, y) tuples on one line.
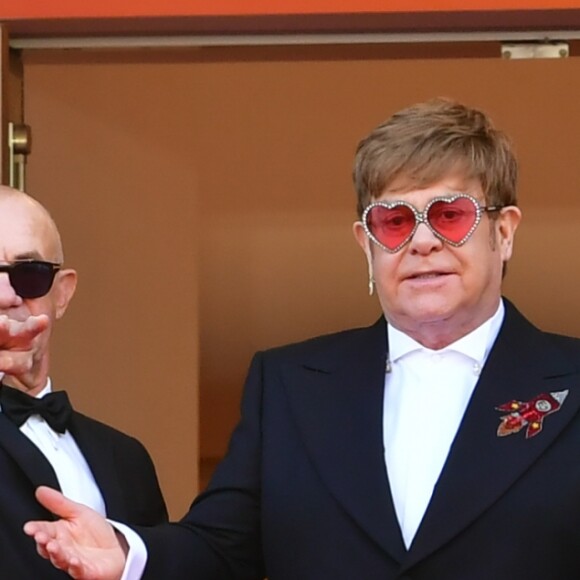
[(303, 492), (122, 469)]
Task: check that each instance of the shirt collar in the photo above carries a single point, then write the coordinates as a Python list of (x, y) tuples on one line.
[(475, 345), (47, 389)]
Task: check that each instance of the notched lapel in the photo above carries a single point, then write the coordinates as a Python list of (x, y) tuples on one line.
[(482, 466), (28, 457), (336, 398)]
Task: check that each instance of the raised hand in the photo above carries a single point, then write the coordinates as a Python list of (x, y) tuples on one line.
[(16, 342), (82, 543)]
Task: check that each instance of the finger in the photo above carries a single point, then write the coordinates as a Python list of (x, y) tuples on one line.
[(57, 503), (15, 362), (40, 531), (34, 325), (60, 557), (20, 333), (77, 570), (39, 536), (42, 551), (67, 560)]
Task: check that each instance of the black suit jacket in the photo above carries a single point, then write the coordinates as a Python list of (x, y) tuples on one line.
[(303, 492), (122, 469)]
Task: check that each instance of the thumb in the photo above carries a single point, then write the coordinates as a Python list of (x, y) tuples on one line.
[(57, 503)]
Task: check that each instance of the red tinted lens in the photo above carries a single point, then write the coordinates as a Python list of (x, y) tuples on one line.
[(453, 220), (391, 226)]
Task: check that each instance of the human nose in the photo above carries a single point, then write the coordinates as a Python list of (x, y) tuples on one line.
[(424, 241), (8, 296)]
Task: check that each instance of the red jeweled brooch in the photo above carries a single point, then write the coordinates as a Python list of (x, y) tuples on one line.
[(529, 414)]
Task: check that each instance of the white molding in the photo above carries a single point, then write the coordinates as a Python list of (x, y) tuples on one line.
[(184, 41)]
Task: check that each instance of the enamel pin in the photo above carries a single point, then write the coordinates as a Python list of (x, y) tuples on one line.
[(529, 414)]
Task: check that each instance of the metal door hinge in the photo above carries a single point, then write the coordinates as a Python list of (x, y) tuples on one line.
[(535, 50), (19, 146)]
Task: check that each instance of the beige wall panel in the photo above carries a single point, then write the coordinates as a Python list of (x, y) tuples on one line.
[(222, 178), (125, 202)]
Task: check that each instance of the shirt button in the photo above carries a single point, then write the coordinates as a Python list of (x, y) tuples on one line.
[(476, 369)]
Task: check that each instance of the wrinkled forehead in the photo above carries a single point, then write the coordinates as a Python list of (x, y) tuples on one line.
[(26, 231), (452, 184), (422, 178)]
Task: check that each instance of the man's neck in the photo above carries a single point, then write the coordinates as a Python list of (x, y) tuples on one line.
[(436, 335), (435, 338), (31, 387)]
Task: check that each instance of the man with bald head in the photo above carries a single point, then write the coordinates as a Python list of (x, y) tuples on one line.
[(42, 440)]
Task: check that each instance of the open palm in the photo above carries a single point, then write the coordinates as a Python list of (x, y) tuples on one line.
[(82, 542)]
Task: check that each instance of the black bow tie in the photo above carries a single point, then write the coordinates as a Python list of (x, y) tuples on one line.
[(54, 408)]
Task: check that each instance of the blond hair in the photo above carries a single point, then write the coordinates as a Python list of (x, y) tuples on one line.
[(426, 142)]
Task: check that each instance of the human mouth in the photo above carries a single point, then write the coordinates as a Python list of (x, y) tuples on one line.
[(427, 275)]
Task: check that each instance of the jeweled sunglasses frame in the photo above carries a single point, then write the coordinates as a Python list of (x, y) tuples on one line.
[(421, 218)]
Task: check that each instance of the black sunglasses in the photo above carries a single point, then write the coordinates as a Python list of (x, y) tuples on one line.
[(31, 278)]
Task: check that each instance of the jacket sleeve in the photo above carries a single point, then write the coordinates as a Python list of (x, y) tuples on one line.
[(143, 496), (220, 537)]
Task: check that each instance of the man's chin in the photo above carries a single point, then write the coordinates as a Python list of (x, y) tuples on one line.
[(431, 307)]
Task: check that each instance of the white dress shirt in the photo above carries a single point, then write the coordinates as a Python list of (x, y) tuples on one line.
[(74, 475), (424, 388), (60, 449), (426, 394)]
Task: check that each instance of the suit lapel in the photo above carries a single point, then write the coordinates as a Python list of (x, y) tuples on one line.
[(336, 398), (524, 363), (39, 471), (26, 455), (100, 459)]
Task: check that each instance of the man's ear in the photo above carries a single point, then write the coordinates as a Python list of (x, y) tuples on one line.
[(361, 237), (64, 289), (508, 222), (363, 241)]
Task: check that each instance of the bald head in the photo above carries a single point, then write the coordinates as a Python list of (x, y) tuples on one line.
[(19, 205), (28, 234)]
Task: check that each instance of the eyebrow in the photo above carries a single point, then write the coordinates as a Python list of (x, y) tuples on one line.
[(32, 255)]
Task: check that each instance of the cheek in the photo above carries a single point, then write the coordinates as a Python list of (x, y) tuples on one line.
[(40, 345), (385, 265), (39, 306), (482, 269), (386, 272)]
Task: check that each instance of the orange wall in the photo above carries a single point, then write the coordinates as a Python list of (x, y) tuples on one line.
[(34, 9), (206, 197)]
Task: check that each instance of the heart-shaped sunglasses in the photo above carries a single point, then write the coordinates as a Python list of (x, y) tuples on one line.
[(452, 219)]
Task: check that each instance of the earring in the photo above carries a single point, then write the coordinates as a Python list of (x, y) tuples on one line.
[(371, 284)]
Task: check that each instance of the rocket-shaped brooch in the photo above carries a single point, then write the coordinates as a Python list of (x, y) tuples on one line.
[(529, 414)]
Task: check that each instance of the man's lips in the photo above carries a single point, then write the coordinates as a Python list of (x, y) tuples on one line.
[(430, 274)]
